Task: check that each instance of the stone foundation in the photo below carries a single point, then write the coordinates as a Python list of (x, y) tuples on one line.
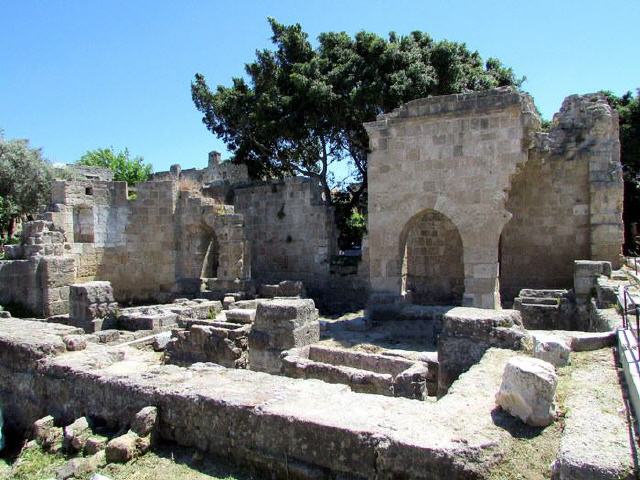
[(363, 372)]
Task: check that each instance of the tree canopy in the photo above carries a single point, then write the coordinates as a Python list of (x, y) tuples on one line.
[(25, 181), (299, 108), (125, 169)]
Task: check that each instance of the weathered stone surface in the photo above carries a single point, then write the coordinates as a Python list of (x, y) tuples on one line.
[(594, 442), (552, 349), (145, 421), (468, 332), (76, 435), (280, 325), (81, 466), (95, 444), (528, 390), (219, 342), (146, 318), (122, 449), (227, 302), (585, 277), (73, 467), (313, 422), (362, 372), (547, 310), (75, 343), (240, 315), (98, 476), (89, 302), (160, 341), (286, 288), (46, 434)]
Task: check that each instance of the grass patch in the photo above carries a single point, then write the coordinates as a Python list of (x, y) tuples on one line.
[(165, 462), (532, 450), (174, 463), (31, 464)]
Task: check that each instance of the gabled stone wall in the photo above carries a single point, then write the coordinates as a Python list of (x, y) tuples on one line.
[(526, 204), (454, 155)]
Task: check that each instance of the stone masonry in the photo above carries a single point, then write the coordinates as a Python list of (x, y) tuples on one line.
[(454, 155), (91, 304), (280, 325), (526, 204)]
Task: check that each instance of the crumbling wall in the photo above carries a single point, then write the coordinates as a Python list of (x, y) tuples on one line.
[(20, 284), (290, 230), (549, 200), (566, 201), (139, 253)]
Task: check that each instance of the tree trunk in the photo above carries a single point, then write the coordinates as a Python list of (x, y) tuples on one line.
[(11, 228)]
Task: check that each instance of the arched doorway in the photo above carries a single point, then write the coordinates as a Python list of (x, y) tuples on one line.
[(432, 265), (211, 257)]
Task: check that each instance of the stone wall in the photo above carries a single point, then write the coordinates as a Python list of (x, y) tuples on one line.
[(20, 283), (526, 204), (454, 155), (290, 230), (152, 247), (566, 201), (549, 200)]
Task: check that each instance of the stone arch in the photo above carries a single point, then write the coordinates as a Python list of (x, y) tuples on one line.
[(432, 260)]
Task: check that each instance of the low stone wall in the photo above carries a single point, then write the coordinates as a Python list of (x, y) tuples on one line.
[(547, 310), (362, 372), (155, 317), (222, 343), (287, 427), (284, 427), (467, 333)]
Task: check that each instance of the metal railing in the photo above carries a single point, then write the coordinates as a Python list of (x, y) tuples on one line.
[(630, 312)]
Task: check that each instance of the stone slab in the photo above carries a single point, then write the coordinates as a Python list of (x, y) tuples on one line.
[(595, 440)]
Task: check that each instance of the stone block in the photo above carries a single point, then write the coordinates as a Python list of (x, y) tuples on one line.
[(280, 325), (240, 315), (551, 348), (122, 449), (76, 435), (91, 301), (285, 314), (145, 421), (46, 434), (528, 390)]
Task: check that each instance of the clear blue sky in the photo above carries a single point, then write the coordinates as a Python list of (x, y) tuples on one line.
[(77, 75)]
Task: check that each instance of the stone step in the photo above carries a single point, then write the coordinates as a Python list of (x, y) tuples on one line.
[(538, 301)]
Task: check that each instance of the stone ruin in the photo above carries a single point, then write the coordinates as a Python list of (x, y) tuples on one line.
[(493, 259)]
